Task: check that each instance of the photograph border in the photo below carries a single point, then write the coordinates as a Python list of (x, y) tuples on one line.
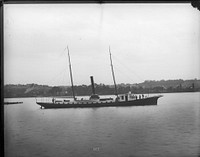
[(194, 3)]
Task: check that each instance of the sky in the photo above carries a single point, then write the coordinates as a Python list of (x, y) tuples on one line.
[(147, 42)]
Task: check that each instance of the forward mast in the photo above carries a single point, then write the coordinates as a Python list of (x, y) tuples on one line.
[(71, 77), (113, 74)]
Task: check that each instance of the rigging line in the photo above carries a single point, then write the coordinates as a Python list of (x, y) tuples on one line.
[(61, 54), (62, 78), (60, 72), (127, 68), (124, 73), (57, 75), (129, 74)]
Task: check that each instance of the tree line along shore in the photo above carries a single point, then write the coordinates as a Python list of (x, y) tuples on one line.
[(148, 86)]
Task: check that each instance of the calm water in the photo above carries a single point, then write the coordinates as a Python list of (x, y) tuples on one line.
[(170, 129)]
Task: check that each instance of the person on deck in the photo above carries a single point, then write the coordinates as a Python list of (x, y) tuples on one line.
[(117, 99)]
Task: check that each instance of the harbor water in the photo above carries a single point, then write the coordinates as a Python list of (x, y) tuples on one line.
[(169, 129)]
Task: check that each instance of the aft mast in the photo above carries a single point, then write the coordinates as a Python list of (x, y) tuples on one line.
[(70, 69), (113, 74)]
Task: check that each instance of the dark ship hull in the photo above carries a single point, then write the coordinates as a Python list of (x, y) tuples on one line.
[(81, 104)]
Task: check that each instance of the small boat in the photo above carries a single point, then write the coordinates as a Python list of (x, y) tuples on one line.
[(13, 102), (95, 100)]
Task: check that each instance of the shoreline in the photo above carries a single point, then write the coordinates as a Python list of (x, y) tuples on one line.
[(100, 95)]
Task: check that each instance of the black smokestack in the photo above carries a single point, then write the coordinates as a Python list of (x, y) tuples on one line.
[(92, 84)]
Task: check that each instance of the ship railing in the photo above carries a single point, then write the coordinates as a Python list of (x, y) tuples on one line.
[(43, 99), (51, 100)]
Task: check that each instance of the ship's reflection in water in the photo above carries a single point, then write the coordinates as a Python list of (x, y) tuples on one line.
[(169, 129)]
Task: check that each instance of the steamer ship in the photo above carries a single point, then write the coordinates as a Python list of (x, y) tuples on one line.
[(122, 100)]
